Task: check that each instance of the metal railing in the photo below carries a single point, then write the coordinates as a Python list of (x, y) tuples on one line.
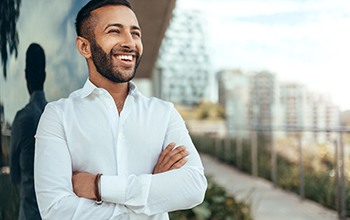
[(226, 147)]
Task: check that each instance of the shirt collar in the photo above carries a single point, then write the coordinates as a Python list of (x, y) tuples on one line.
[(89, 88)]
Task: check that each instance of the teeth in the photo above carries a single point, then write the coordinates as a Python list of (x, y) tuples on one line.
[(125, 57)]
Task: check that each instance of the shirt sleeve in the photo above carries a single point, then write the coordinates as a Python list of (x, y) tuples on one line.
[(177, 189), (53, 176)]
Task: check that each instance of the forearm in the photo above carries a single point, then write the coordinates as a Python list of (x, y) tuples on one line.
[(152, 194), (55, 196), (53, 179), (72, 207), (178, 189)]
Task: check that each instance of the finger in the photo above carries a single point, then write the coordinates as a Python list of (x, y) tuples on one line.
[(179, 164), (168, 149), (173, 155), (176, 155), (169, 159), (159, 166)]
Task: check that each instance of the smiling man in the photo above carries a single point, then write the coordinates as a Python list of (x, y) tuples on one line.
[(107, 151)]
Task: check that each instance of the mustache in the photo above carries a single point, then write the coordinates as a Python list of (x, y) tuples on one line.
[(118, 49)]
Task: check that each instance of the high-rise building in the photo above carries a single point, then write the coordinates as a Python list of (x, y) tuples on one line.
[(312, 112), (257, 100), (182, 70), (295, 105), (325, 116), (235, 97), (263, 94)]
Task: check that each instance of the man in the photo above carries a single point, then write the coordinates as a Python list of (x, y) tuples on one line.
[(23, 130), (108, 152)]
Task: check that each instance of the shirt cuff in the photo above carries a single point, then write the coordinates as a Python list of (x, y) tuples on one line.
[(113, 189)]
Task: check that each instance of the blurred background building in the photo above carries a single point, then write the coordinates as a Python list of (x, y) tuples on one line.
[(259, 100), (182, 71)]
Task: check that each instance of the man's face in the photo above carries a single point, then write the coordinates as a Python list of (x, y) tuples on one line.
[(117, 48)]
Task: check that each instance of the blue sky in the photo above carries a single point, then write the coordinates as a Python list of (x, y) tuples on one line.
[(306, 41)]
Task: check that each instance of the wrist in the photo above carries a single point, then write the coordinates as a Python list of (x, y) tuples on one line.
[(97, 190)]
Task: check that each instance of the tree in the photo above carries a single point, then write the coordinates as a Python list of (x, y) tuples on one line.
[(9, 10)]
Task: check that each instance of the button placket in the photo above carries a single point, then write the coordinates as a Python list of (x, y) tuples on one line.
[(114, 119)]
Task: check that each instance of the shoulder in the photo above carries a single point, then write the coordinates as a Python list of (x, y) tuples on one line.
[(153, 102), (148, 101), (24, 120), (23, 115)]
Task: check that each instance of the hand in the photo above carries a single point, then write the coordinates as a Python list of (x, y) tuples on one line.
[(171, 158), (84, 185)]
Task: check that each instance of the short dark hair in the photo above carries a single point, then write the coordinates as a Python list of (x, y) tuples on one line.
[(85, 13), (35, 67)]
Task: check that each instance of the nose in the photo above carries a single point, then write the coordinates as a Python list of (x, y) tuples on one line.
[(128, 41)]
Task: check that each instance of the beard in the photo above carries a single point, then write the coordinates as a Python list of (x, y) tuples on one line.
[(104, 63)]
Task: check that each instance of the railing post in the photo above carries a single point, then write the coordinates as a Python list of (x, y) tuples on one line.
[(239, 155), (273, 160), (301, 167), (342, 201), (336, 165), (254, 152), (217, 147), (228, 150)]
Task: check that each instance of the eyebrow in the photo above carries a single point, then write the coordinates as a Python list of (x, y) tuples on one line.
[(133, 27)]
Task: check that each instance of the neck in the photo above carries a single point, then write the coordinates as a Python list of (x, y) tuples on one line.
[(119, 91)]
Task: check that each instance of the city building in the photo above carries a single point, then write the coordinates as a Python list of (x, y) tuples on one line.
[(259, 101), (234, 95), (181, 74), (295, 107), (262, 103)]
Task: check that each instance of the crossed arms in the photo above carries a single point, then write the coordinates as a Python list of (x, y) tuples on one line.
[(177, 181), (171, 158)]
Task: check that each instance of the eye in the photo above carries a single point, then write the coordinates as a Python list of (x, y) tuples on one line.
[(114, 31), (135, 33)]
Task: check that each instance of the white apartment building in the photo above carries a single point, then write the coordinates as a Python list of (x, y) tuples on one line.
[(259, 100), (182, 70), (234, 95)]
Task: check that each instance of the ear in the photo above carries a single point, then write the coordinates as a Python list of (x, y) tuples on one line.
[(83, 46)]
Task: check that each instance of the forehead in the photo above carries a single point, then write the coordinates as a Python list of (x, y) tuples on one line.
[(114, 14)]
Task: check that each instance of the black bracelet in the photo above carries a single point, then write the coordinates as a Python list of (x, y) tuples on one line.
[(97, 189)]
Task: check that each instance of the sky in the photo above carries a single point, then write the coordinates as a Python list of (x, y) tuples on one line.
[(304, 41), (307, 41)]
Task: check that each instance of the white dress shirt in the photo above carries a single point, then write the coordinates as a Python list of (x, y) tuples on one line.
[(85, 132)]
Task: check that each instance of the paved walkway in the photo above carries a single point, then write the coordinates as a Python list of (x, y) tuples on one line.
[(268, 203)]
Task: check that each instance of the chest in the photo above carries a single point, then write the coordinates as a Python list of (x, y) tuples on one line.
[(104, 141)]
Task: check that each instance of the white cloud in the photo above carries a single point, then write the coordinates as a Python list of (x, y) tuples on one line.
[(306, 41)]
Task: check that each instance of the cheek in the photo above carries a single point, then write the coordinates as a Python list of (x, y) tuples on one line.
[(107, 45), (140, 48)]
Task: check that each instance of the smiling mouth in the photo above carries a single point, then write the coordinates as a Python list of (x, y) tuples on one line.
[(126, 58)]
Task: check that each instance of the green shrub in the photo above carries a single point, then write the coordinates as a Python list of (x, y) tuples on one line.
[(217, 205)]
